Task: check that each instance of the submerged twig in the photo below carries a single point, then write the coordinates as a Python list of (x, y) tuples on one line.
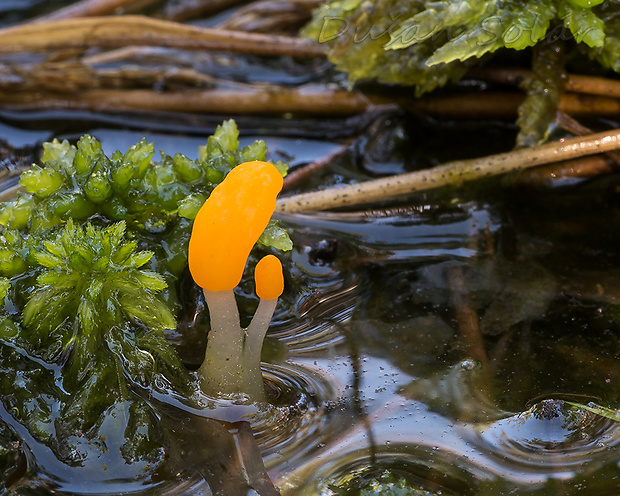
[(496, 105), (453, 173), (120, 31), (567, 171), (273, 99), (308, 170), (467, 317)]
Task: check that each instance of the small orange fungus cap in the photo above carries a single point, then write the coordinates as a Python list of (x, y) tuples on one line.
[(229, 224), (268, 278)]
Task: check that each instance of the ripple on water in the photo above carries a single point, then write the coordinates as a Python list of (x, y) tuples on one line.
[(550, 439), (422, 474), (306, 409), (314, 323)]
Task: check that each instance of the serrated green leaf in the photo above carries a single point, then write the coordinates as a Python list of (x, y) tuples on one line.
[(529, 24), (5, 285), (137, 260), (584, 24), (474, 43), (151, 280), (276, 236), (538, 110), (436, 17)]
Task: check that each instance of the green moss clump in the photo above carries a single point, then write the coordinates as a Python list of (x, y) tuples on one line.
[(90, 257), (426, 44)]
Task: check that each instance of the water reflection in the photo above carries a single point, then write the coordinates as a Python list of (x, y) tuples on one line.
[(409, 340), (441, 424), (551, 439)]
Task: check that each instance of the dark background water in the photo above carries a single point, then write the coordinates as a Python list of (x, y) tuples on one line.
[(441, 337)]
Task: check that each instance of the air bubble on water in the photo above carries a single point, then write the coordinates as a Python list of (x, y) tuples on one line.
[(469, 364)]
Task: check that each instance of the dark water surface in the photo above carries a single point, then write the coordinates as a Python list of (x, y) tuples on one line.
[(447, 340), (456, 342)]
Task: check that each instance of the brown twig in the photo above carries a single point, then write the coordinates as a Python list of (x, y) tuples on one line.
[(567, 170), (573, 126), (272, 16), (308, 170), (581, 168), (184, 11), (88, 8), (257, 100), (575, 83), (120, 31), (467, 317), (452, 173), (312, 100)]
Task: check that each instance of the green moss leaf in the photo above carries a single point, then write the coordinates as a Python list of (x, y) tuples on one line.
[(436, 17), (59, 155), (5, 285), (139, 156), (538, 110), (427, 44), (93, 276), (16, 214), (276, 236), (584, 24), (41, 182), (254, 151)]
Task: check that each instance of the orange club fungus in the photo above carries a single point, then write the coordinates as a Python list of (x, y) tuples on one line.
[(226, 228)]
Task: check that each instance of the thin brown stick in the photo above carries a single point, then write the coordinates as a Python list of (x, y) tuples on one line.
[(120, 31), (184, 11), (452, 173), (576, 83), (593, 85), (567, 170), (312, 101), (308, 170), (272, 16), (573, 126), (87, 8), (467, 317)]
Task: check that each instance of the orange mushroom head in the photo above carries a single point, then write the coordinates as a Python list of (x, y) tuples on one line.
[(229, 224), (268, 278)]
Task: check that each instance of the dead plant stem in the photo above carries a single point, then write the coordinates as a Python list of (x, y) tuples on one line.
[(121, 31), (451, 173), (87, 8)]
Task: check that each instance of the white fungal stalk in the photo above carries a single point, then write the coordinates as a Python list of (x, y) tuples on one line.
[(225, 230)]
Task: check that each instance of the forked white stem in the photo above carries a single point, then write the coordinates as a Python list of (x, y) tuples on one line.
[(255, 335), (222, 368), (232, 359)]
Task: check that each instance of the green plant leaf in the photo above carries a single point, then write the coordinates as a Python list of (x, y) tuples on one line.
[(583, 23)]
